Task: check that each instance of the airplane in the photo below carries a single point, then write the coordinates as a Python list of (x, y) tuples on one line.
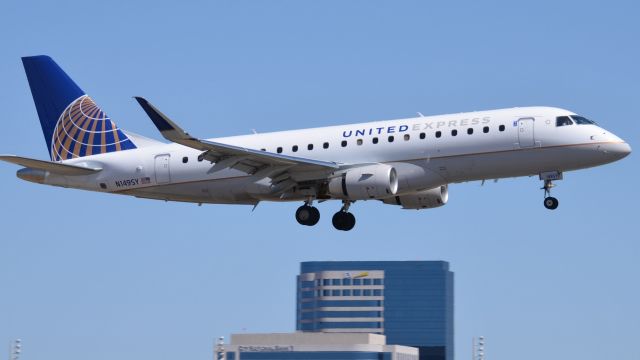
[(406, 162)]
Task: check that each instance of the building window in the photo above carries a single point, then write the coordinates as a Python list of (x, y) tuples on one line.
[(335, 281), (438, 134), (279, 150), (335, 292), (470, 131), (377, 292), (310, 147), (325, 145), (357, 281), (454, 132), (374, 140), (359, 142), (357, 292), (390, 138), (485, 129), (407, 137), (501, 127), (346, 281), (326, 292), (346, 292), (344, 143), (294, 148), (423, 135), (377, 281), (366, 281), (326, 282), (366, 292)]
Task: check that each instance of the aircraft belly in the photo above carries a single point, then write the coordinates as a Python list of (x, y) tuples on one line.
[(220, 191), (525, 162)]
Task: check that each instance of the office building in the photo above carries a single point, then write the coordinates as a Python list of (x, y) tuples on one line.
[(410, 302), (316, 346)]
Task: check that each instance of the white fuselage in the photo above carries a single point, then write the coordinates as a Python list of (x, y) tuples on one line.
[(501, 143)]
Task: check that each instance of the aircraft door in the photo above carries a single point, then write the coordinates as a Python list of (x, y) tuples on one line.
[(525, 132), (163, 174)]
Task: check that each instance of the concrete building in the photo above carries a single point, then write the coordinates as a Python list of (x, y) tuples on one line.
[(315, 346), (411, 302)]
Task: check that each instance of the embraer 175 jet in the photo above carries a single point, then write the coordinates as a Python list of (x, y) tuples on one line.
[(406, 162)]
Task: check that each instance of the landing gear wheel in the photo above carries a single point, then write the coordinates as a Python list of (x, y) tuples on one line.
[(307, 215), (343, 220), (551, 203)]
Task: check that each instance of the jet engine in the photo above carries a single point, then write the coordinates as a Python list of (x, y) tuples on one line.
[(364, 182), (425, 199)]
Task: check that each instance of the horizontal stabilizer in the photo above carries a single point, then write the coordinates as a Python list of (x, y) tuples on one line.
[(52, 167)]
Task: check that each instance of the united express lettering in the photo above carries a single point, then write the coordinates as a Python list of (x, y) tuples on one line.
[(416, 127)]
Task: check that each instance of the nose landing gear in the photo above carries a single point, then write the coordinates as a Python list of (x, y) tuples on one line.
[(343, 219), (550, 202)]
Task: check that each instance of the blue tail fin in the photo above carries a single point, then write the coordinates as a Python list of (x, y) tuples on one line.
[(73, 125)]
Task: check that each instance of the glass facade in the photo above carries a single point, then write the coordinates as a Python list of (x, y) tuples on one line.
[(411, 302)]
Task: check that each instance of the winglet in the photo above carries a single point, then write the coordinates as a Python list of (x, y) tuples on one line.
[(169, 130)]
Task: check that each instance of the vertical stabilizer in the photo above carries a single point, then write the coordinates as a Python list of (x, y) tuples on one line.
[(73, 125)]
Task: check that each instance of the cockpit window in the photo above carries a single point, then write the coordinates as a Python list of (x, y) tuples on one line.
[(563, 120), (580, 120)]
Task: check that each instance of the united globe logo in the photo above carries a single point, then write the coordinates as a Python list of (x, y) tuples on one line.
[(83, 129)]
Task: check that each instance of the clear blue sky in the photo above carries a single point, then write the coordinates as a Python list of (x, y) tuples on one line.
[(93, 276)]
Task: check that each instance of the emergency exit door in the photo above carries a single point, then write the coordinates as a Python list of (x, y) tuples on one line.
[(163, 173), (525, 132)]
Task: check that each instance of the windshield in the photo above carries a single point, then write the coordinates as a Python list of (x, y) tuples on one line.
[(580, 120), (563, 121)]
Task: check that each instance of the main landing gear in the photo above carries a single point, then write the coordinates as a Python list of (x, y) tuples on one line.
[(343, 219), (550, 202), (309, 215)]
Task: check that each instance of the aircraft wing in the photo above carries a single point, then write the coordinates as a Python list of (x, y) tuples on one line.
[(230, 155), (52, 167)]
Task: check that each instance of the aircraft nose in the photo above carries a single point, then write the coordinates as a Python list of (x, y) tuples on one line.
[(617, 150)]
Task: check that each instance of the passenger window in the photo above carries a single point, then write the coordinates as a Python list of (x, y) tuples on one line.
[(438, 134), (390, 138), (501, 127), (310, 147), (279, 150), (406, 137), (470, 131), (344, 143), (294, 148), (185, 160), (485, 129), (374, 140), (325, 145), (263, 149), (454, 132), (563, 121), (359, 142), (423, 135)]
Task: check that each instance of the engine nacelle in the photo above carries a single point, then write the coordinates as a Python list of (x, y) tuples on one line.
[(425, 199), (365, 182)]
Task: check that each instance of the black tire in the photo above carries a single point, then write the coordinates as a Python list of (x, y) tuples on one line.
[(551, 203), (338, 220), (303, 214), (315, 216), (344, 221), (350, 221)]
